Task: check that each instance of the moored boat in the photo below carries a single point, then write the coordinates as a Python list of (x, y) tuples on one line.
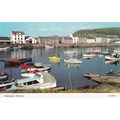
[(54, 58), (109, 57), (72, 60), (15, 61), (37, 67), (105, 53), (3, 76), (36, 81), (49, 46), (91, 75), (70, 52), (88, 56)]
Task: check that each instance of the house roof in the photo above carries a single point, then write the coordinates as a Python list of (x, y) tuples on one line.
[(27, 37), (67, 37), (4, 38), (15, 32), (89, 37)]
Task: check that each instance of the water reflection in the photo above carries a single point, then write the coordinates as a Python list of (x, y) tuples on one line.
[(72, 65), (67, 75)]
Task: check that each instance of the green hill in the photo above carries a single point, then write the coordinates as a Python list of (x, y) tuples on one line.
[(97, 32)]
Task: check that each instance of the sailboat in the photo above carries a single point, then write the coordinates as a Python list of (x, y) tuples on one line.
[(72, 60)]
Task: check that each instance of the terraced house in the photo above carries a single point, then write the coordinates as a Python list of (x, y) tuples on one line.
[(49, 40), (66, 40)]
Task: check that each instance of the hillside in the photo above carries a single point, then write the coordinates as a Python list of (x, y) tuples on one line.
[(97, 32)]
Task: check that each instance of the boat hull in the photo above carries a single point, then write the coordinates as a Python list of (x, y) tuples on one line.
[(54, 58), (72, 61)]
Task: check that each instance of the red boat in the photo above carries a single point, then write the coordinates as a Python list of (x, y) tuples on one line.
[(95, 52), (34, 68), (15, 61)]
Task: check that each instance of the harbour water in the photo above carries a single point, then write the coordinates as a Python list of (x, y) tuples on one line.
[(67, 75)]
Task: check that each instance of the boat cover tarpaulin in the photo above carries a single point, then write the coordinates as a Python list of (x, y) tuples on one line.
[(25, 66), (13, 60)]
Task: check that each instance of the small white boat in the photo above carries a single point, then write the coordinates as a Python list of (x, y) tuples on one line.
[(88, 56), (110, 58), (112, 62), (69, 52), (116, 51), (34, 69), (105, 53), (72, 60), (42, 67), (49, 46), (37, 67)]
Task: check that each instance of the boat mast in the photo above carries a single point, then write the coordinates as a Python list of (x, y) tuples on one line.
[(69, 77)]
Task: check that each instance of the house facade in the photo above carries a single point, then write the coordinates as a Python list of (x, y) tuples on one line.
[(82, 39), (50, 40), (90, 40), (17, 37), (30, 40), (67, 40)]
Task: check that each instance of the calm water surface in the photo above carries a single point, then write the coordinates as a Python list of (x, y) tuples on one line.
[(68, 76)]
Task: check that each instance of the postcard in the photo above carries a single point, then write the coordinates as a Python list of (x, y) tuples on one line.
[(59, 57)]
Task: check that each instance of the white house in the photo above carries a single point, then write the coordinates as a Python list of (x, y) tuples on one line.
[(98, 39), (17, 37), (75, 39), (90, 40), (67, 40), (30, 40)]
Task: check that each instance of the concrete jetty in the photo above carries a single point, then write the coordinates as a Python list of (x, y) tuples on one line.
[(107, 79)]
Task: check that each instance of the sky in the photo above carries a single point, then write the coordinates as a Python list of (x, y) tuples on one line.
[(51, 28)]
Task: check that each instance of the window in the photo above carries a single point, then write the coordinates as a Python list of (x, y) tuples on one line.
[(3, 87), (8, 86), (35, 82), (31, 82), (38, 75)]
